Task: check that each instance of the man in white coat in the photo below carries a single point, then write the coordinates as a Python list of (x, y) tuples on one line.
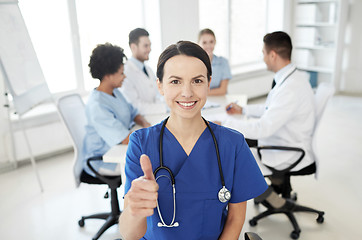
[(139, 87), (288, 116)]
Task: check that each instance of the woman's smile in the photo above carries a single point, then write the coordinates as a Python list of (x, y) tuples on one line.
[(187, 105)]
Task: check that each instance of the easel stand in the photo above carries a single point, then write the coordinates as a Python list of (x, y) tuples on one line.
[(31, 154), (22, 72), (11, 130)]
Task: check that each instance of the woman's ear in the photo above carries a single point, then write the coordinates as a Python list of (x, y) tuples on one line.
[(159, 85)]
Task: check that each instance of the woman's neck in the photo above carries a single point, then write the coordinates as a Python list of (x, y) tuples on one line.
[(105, 88), (186, 131), (185, 128), (211, 56)]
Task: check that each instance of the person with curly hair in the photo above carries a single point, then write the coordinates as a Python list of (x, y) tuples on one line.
[(110, 117)]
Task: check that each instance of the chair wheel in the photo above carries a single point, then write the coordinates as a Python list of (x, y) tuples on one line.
[(320, 219), (81, 223), (294, 235), (253, 222)]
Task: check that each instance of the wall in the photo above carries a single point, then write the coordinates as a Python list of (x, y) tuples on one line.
[(179, 21), (351, 79)]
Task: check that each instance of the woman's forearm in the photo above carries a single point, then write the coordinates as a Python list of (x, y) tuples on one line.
[(234, 221), (221, 90), (140, 120), (131, 227)]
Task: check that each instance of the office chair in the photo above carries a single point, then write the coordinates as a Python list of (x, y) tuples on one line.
[(72, 111), (251, 236), (282, 177)]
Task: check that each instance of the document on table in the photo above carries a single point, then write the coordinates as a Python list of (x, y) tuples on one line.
[(210, 104)]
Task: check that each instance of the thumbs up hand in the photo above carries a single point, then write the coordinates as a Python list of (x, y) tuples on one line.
[(141, 199), (146, 167)]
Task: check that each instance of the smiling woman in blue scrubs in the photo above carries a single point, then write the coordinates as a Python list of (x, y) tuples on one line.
[(153, 209)]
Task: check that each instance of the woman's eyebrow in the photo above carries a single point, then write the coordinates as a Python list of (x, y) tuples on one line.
[(199, 76), (173, 76)]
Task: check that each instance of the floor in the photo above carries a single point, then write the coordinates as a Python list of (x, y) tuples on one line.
[(26, 213)]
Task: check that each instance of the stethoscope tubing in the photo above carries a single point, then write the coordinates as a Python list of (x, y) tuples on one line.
[(169, 170), (224, 194)]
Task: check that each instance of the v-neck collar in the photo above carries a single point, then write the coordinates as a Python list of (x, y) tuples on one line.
[(180, 146)]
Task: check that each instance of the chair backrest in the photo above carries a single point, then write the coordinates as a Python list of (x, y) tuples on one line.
[(72, 112), (324, 92)]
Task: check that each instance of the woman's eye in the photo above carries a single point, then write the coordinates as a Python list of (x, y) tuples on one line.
[(198, 81), (175, 81)]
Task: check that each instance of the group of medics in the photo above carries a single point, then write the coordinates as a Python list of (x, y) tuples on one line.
[(187, 175)]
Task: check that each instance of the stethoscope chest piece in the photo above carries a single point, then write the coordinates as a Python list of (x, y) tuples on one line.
[(224, 195)]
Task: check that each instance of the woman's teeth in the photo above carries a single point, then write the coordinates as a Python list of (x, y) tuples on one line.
[(187, 104)]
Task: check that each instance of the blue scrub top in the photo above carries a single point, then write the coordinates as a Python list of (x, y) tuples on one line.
[(220, 71), (197, 179), (109, 120)]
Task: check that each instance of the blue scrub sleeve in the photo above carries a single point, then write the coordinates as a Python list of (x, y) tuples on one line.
[(248, 182), (132, 168), (134, 111), (226, 72), (111, 130)]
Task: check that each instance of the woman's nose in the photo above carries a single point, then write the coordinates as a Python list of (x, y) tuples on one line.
[(187, 91)]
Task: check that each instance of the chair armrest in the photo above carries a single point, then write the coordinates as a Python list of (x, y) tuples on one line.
[(282, 148), (101, 177), (252, 236)]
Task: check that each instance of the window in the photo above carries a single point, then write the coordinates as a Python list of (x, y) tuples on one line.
[(105, 21), (247, 28), (50, 34), (240, 26), (64, 63)]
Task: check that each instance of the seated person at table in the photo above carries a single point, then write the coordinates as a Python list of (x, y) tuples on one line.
[(221, 73), (110, 117), (212, 170), (139, 87), (288, 116)]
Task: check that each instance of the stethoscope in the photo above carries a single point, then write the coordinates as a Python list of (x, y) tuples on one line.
[(224, 194), (295, 69)]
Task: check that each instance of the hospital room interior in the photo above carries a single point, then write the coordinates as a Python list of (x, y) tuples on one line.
[(45, 49)]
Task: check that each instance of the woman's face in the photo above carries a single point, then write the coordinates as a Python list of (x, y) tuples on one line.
[(207, 42), (184, 86), (118, 77)]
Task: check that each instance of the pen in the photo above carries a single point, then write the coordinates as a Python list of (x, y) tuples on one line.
[(231, 105)]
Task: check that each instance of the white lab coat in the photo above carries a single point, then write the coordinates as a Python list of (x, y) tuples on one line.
[(286, 119), (141, 91)]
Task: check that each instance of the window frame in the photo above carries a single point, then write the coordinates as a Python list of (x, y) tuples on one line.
[(252, 67)]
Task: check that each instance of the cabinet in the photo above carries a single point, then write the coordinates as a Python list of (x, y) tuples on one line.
[(318, 30)]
